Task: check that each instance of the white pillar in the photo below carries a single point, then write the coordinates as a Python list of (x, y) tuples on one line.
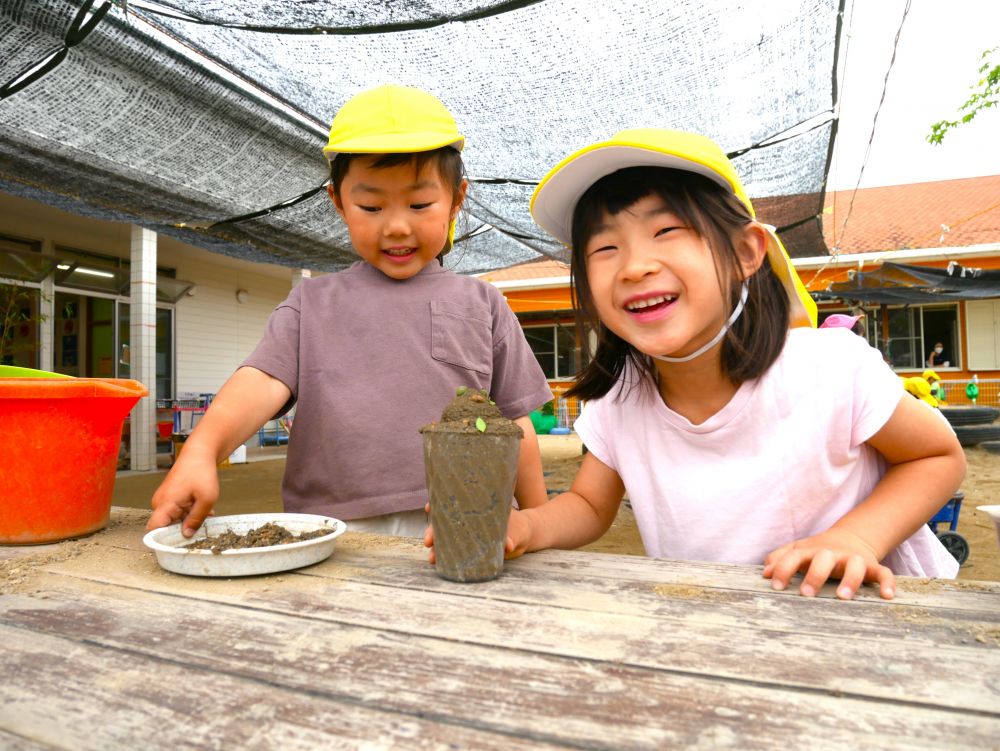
[(47, 309), (298, 275), (142, 346)]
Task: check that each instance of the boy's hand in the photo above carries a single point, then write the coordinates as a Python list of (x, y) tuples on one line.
[(515, 545), (834, 554), (188, 493)]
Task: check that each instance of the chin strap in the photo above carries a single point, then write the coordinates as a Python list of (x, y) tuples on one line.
[(744, 292)]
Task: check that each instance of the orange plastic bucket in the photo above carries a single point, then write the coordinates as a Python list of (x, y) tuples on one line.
[(59, 442)]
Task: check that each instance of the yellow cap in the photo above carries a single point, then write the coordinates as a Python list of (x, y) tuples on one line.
[(560, 190), (392, 120), (928, 374), (920, 389)]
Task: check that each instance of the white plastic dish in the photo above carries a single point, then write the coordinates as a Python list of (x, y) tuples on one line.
[(169, 545)]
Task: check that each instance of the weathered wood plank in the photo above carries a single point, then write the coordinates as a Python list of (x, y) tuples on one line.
[(676, 596), (127, 527), (684, 606), (68, 694), (889, 666), (356, 550), (499, 690), (11, 742)]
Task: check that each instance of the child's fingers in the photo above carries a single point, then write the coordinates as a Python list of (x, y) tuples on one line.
[(786, 567), (822, 565), (852, 578), (886, 581), (772, 558), (163, 516), (429, 542), (193, 521)]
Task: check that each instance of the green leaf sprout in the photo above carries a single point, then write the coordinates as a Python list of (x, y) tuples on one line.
[(481, 424)]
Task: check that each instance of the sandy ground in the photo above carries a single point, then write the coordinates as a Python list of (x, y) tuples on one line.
[(256, 487)]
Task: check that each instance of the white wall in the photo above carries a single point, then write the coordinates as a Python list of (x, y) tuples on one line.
[(213, 332)]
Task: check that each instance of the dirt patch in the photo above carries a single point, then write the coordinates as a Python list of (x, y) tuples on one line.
[(259, 537), (684, 592)]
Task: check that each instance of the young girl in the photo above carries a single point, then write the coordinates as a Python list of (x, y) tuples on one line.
[(373, 352), (737, 438)]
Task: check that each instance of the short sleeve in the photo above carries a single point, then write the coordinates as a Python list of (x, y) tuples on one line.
[(591, 426), (518, 384), (277, 353), (877, 389)]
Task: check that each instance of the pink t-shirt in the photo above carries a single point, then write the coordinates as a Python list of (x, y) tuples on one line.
[(783, 460), (369, 360)]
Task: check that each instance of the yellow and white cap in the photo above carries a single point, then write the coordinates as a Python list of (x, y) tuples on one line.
[(560, 190), (392, 119)]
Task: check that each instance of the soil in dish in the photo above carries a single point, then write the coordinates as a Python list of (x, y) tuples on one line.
[(260, 537)]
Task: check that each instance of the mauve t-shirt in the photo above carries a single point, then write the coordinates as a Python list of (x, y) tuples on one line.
[(370, 359)]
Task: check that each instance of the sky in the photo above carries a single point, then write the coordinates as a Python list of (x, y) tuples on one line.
[(937, 60)]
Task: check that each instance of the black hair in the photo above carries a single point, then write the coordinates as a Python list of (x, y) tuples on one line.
[(446, 160), (756, 338)]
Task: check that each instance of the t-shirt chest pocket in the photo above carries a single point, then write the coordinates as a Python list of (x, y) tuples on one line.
[(462, 335)]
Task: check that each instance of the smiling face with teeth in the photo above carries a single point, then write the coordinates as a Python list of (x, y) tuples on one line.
[(654, 279), (398, 216)]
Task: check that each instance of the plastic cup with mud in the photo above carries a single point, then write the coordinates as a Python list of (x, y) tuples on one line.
[(470, 461)]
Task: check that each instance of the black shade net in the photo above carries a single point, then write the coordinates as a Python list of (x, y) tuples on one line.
[(163, 118)]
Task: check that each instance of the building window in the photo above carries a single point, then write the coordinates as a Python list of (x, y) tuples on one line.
[(555, 349), (914, 331), (20, 316)]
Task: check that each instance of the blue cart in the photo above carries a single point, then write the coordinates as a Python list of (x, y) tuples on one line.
[(957, 545)]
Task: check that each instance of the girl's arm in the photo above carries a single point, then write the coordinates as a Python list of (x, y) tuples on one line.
[(567, 521), (529, 490), (247, 400), (927, 465), (571, 519)]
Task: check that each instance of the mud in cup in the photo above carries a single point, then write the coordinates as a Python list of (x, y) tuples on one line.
[(470, 461)]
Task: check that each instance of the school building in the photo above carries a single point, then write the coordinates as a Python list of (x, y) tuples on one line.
[(70, 287)]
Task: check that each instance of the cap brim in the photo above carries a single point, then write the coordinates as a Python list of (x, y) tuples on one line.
[(556, 197), (394, 143)]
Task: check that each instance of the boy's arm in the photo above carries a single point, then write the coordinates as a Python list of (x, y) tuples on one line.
[(529, 490), (927, 465), (247, 400)]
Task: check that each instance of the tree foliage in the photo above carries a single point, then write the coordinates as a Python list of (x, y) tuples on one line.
[(985, 94)]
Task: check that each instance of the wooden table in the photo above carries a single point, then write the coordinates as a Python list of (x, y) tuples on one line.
[(102, 649)]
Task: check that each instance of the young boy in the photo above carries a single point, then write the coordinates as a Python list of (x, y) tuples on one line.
[(373, 352)]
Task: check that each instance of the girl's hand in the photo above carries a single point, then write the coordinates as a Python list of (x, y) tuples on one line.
[(836, 554), (518, 535)]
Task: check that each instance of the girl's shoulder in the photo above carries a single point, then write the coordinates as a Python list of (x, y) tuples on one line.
[(830, 359), (827, 345)]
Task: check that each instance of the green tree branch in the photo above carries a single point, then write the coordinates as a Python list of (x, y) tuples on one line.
[(985, 94)]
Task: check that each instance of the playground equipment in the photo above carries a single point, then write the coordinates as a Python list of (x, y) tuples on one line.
[(957, 545)]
